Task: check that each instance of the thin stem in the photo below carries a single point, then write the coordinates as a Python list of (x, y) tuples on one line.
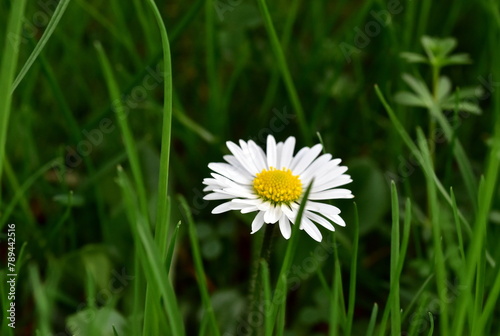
[(255, 285), (285, 72)]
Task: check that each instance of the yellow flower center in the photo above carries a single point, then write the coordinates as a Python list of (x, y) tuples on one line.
[(277, 186)]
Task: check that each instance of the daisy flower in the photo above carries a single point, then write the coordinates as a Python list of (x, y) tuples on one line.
[(273, 183)]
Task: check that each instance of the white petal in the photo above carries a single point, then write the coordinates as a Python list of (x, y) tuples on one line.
[(279, 149), (264, 206), (329, 211), (311, 229), (229, 172), (251, 156), (285, 228), (337, 219), (257, 222), (247, 201), (273, 214), (331, 194), (320, 220), (326, 176), (322, 208), (258, 155), (287, 152), (271, 152), (238, 192), (330, 166), (316, 166), (291, 214), (339, 181), (307, 159), (303, 151), (217, 196), (223, 208), (249, 209), (238, 154)]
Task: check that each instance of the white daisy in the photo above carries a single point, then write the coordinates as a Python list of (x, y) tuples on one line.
[(273, 184)]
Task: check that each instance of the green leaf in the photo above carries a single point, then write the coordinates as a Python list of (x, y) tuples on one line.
[(69, 200), (462, 106), (409, 99), (198, 263), (411, 57), (10, 52), (443, 88), (457, 59), (437, 48), (420, 89), (54, 21), (105, 321)]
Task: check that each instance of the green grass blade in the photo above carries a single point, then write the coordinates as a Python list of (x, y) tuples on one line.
[(280, 291), (459, 153), (416, 152), (171, 247), (417, 296), (335, 303), (7, 68), (273, 85), (128, 139), (490, 306), (431, 320), (353, 273), (395, 249), (418, 317), (266, 285), (15, 186), (150, 258), (406, 236), (41, 300), (166, 134), (454, 207), (28, 183), (392, 304), (434, 214), (481, 223), (373, 320), (285, 72), (198, 263), (51, 26), (280, 324), (218, 118)]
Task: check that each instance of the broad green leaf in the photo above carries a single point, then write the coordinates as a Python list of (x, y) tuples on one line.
[(414, 57), (457, 59), (408, 99), (443, 88), (462, 106), (420, 89)]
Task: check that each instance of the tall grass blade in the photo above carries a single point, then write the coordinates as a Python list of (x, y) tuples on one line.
[(166, 132), (7, 68), (373, 320), (280, 291), (42, 301), (198, 263), (128, 138), (150, 258), (285, 72), (51, 26), (353, 273), (266, 285), (434, 214)]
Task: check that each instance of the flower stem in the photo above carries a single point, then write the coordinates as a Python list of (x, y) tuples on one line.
[(255, 292)]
